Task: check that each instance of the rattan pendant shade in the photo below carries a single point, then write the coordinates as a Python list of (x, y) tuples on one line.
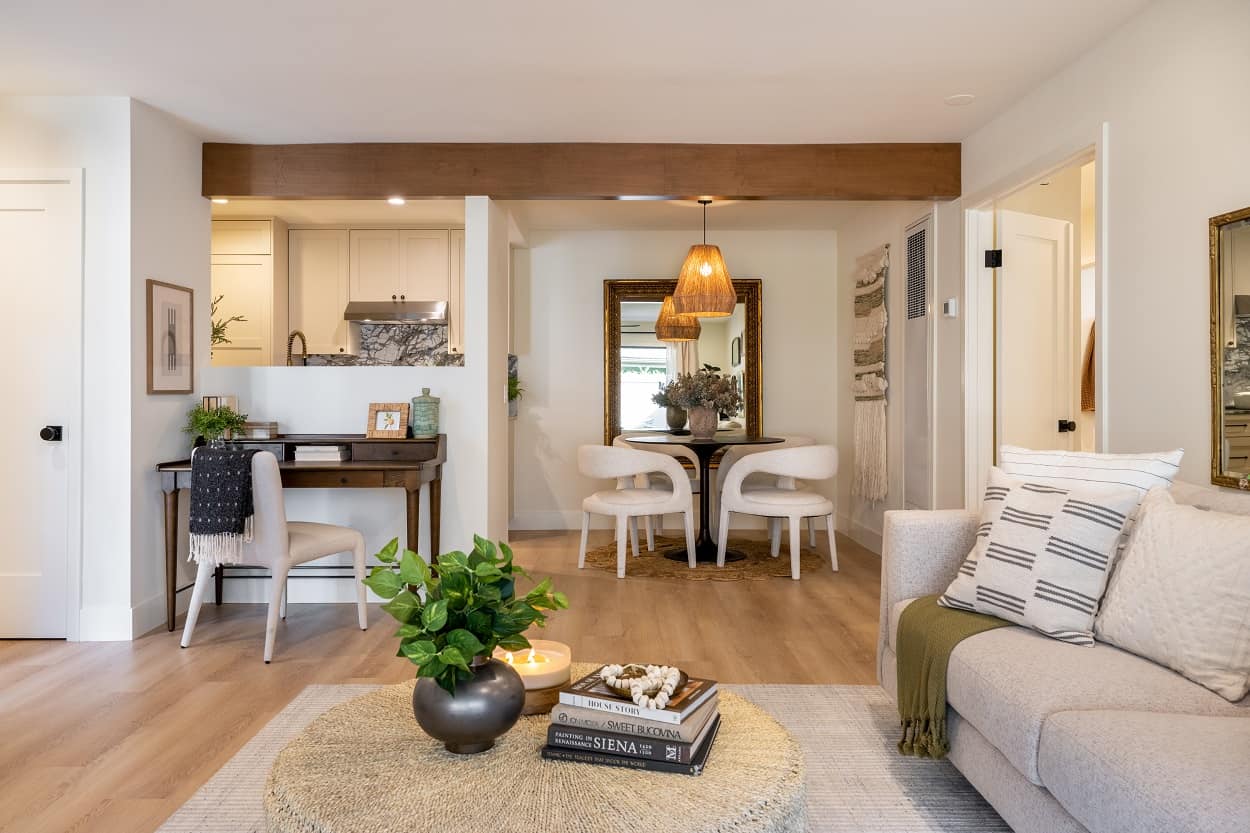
[(673, 326), (704, 288)]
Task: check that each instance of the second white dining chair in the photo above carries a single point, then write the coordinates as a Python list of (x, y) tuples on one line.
[(627, 502), (813, 462)]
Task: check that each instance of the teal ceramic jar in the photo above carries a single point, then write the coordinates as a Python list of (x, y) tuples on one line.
[(424, 415)]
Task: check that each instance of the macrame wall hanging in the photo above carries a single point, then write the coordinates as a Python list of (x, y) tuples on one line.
[(871, 477)]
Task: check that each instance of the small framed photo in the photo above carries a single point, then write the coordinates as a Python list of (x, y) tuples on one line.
[(388, 420), (171, 341), (735, 351)]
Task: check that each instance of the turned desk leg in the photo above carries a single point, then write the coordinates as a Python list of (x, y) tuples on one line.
[(414, 517), (436, 512), (171, 554)]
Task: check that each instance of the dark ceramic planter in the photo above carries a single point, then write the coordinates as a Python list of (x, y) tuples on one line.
[(483, 708)]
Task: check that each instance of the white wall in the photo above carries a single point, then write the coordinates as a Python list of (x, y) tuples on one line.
[(1170, 86), (558, 317)]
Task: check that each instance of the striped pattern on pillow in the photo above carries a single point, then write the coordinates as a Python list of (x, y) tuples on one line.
[(1065, 469)]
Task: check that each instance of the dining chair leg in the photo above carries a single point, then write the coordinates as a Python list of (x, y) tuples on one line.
[(692, 554), (621, 534), (722, 538), (796, 531), (633, 534), (362, 600), (833, 546), (275, 602), (581, 552), (811, 532), (650, 534), (203, 578), (774, 537)]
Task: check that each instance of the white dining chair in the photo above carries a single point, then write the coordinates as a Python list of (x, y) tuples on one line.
[(760, 480), (813, 462), (628, 502), (655, 525), (279, 544)]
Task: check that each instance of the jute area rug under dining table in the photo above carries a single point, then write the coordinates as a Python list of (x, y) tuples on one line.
[(856, 782)]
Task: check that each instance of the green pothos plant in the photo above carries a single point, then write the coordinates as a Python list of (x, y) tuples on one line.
[(466, 608)]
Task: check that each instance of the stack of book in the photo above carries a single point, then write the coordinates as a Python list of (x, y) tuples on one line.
[(321, 453), (592, 725)]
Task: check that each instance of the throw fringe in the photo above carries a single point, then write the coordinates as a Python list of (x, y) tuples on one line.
[(871, 478), (220, 548)]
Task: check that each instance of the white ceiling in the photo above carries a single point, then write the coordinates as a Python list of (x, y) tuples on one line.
[(555, 70)]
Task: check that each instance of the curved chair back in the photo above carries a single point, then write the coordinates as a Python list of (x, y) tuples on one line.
[(269, 532), (812, 462), (608, 461)]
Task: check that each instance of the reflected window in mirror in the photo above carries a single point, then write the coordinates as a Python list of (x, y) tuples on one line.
[(1230, 347)]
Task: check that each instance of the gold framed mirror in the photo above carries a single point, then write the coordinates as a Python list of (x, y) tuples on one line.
[(631, 306), (1230, 348)]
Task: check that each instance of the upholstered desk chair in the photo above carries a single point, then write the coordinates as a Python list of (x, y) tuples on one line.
[(813, 462), (628, 501), (760, 480), (658, 481), (279, 544)]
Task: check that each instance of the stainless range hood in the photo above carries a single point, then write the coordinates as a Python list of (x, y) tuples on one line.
[(396, 312)]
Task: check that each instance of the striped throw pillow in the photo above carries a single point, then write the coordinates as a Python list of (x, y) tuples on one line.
[(1042, 555), (1085, 469)]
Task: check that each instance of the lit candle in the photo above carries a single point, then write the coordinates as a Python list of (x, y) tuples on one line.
[(543, 665)]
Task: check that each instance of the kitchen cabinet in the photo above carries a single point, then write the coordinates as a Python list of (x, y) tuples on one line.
[(319, 288), (399, 264), (455, 294), (248, 266)]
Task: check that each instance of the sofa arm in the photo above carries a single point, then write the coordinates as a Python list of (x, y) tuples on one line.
[(920, 554)]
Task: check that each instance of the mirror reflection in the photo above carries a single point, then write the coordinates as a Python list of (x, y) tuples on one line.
[(1230, 275)]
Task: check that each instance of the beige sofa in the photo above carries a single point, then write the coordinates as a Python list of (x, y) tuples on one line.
[(1059, 737)]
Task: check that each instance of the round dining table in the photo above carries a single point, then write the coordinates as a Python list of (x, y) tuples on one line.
[(705, 450)]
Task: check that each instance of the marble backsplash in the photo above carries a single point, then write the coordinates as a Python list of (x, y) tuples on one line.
[(1237, 361), (417, 345)]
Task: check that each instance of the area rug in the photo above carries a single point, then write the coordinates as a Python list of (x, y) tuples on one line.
[(856, 780), (757, 565)]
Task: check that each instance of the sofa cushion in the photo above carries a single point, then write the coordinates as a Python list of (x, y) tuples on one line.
[(1008, 682), (1141, 772)]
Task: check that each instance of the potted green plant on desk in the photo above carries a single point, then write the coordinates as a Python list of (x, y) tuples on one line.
[(450, 622)]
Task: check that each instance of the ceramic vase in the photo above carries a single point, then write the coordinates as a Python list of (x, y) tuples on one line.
[(483, 708), (676, 418), (703, 422)]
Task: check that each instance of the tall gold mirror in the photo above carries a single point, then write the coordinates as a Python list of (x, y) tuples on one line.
[(636, 363), (1230, 348)]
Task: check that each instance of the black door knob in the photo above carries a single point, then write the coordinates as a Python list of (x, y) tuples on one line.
[(50, 433)]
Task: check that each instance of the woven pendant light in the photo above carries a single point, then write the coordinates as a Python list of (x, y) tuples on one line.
[(673, 326), (704, 288)]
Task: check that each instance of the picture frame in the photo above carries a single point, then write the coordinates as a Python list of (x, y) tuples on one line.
[(170, 338), (388, 421), (735, 351)]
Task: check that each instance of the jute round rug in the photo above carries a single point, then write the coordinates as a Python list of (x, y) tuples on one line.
[(757, 565)]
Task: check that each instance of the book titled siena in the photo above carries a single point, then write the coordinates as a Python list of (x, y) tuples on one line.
[(693, 767), (622, 724), (590, 692), (630, 746)]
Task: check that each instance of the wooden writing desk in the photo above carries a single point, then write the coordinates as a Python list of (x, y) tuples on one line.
[(375, 464)]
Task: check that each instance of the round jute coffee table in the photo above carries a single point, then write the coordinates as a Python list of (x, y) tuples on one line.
[(366, 767)]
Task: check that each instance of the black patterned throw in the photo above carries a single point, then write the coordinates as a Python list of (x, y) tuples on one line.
[(221, 504)]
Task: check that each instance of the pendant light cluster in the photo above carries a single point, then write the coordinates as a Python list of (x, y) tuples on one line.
[(704, 290)]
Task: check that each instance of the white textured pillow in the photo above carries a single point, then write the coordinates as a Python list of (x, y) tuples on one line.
[(1042, 555), (1181, 594), (1084, 469)]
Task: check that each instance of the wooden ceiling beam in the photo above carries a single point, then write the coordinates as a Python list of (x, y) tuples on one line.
[(582, 170)]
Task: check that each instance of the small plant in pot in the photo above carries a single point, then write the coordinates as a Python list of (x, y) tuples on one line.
[(214, 424), (450, 622), (705, 394), (675, 414)]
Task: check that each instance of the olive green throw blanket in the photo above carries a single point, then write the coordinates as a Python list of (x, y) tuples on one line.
[(927, 633)]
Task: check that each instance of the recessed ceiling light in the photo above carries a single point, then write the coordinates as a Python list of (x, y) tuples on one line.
[(220, 200), (396, 200), (959, 99)]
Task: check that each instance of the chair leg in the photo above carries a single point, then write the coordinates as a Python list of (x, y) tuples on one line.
[(722, 537), (581, 553), (833, 546), (692, 555), (282, 608), (621, 534), (811, 532), (362, 606), (203, 578), (275, 602), (633, 534), (774, 537), (796, 530), (650, 534)]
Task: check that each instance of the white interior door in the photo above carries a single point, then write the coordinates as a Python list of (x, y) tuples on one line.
[(41, 275), (1037, 333)]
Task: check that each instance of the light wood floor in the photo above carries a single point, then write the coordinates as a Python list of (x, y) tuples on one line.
[(105, 737)]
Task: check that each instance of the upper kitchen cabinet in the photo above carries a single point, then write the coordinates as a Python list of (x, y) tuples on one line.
[(249, 291), (399, 265), (319, 288)]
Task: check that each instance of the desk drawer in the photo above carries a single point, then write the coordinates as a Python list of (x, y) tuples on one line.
[(396, 452), (296, 479)]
